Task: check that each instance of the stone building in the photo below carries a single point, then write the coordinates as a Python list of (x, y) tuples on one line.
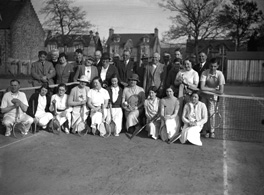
[(69, 43), (137, 43), (21, 36)]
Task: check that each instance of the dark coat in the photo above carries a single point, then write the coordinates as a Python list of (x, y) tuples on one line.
[(81, 71), (125, 71), (33, 104), (65, 75), (110, 72), (118, 102), (200, 70)]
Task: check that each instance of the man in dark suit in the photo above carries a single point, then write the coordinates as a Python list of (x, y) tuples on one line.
[(140, 69), (98, 60), (202, 65), (42, 71), (107, 70), (167, 62), (125, 68)]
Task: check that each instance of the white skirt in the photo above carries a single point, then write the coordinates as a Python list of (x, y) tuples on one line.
[(117, 118), (192, 134), (172, 126)]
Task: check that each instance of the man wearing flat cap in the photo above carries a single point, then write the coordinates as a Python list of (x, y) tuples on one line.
[(87, 69), (107, 70), (42, 71)]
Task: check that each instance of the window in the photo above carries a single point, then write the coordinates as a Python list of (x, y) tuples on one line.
[(117, 39), (52, 46)]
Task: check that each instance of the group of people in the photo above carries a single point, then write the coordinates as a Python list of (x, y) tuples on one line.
[(161, 95)]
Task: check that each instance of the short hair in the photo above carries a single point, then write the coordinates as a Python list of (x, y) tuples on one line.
[(99, 79), (127, 50), (195, 92), (79, 51), (40, 53), (157, 54), (114, 76), (55, 51), (187, 59), (63, 55), (213, 61), (44, 85), (177, 49), (99, 52), (166, 53), (153, 88), (15, 80), (62, 85)]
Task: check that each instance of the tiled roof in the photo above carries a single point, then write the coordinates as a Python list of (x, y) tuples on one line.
[(137, 39), (69, 40), (213, 43), (9, 10)]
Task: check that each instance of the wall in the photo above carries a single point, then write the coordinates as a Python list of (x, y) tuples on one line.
[(5, 48)]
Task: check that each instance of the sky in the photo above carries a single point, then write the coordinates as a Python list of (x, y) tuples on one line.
[(125, 16)]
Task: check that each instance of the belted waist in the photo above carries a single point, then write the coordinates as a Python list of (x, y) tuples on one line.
[(61, 110)]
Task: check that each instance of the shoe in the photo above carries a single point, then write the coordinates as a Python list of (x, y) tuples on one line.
[(116, 135), (7, 133), (207, 135), (66, 130), (212, 135)]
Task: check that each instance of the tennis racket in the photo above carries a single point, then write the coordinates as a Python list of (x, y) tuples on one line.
[(18, 128), (55, 124), (163, 130), (112, 122), (104, 127), (82, 127)]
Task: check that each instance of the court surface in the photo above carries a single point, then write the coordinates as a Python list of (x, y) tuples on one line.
[(48, 164)]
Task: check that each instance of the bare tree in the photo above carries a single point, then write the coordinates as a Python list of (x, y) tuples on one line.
[(240, 19), (194, 18), (64, 18)]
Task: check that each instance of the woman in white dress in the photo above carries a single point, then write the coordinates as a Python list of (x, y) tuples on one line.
[(194, 117), (63, 111), (115, 93), (151, 106), (78, 101), (98, 101)]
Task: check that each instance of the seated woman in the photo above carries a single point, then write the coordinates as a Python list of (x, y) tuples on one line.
[(38, 109), (115, 93), (78, 101), (133, 102), (97, 101), (194, 117), (152, 112), (169, 107), (63, 111)]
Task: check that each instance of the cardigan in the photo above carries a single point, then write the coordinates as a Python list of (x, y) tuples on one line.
[(33, 103)]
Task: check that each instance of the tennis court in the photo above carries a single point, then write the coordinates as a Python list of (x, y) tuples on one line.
[(45, 163)]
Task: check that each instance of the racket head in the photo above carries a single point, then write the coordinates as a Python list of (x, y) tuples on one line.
[(163, 133), (101, 128), (19, 130), (56, 129), (82, 129), (113, 127)]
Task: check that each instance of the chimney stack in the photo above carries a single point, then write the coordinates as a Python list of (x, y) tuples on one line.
[(111, 32), (156, 32)]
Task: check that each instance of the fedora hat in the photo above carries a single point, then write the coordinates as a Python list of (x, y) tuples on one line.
[(83, 78), (105, 56), (134, 77)]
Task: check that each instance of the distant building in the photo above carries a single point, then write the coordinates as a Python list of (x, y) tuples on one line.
[(21, 36), (137, 43), (211, 47), (69, 43)]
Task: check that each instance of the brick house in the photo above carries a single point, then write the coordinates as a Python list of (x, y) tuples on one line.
[(21, 36), (69, 43), (138, 44)]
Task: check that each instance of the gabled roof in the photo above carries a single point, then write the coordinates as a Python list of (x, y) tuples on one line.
[(69, 40), (137, 39), (9, 10), (210, 43)]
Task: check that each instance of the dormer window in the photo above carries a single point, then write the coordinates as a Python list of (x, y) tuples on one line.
[(78, 46), (145, 39), (117, 39)]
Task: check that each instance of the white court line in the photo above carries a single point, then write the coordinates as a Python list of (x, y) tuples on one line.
[(225, 168), (4, 146), (252, 95)]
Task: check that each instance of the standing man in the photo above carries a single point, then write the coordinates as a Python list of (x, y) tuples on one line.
[(167, 62), (54, 54), (155, 75), (178, 54), (42, 71), (98, 56), (202, 65), (140, 69), (126, 68), (14, 105), (211, 80)]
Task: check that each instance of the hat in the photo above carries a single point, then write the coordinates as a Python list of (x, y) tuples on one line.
[(134, 77), (105, 56), (83, 79)]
